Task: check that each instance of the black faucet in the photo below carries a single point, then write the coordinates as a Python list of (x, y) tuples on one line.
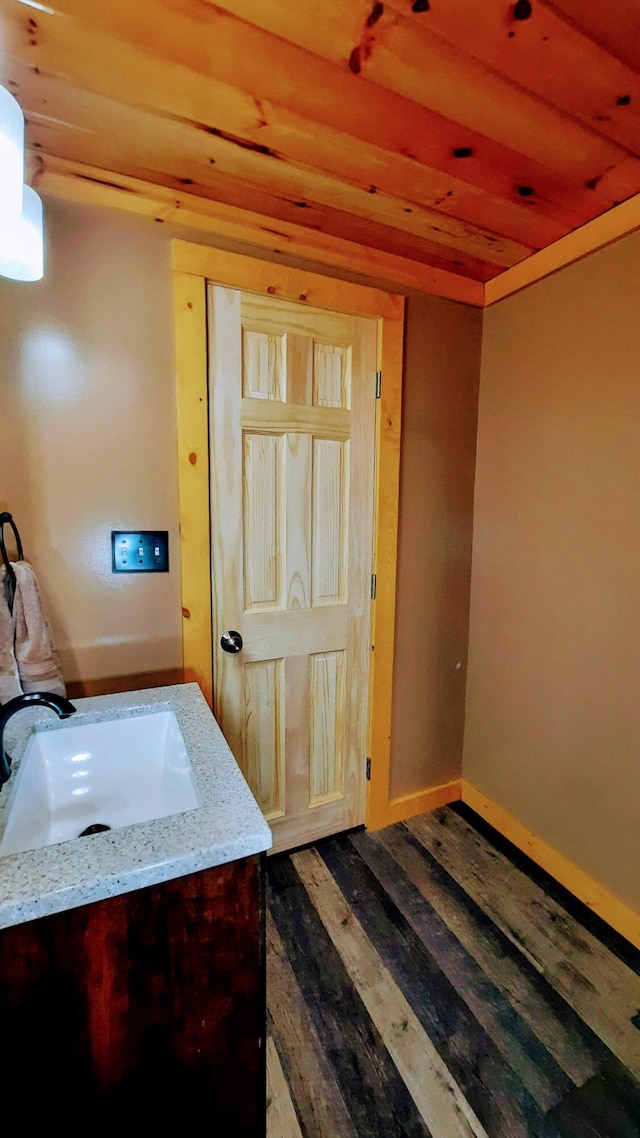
[(57, 703)]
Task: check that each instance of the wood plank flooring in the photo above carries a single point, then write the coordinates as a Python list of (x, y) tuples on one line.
[(422, 983)]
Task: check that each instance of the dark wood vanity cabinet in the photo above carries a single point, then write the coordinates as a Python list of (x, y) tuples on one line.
[(144, 1009)]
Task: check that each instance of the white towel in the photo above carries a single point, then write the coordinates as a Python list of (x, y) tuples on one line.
[(36, 656), (10, 685)]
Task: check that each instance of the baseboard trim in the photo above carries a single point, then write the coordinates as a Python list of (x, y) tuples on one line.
[(420, 802), (606, 905), (109, 685)]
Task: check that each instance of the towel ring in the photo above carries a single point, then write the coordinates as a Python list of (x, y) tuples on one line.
[(6, 519)]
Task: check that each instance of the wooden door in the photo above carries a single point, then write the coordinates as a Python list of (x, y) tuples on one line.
[(292, 424)]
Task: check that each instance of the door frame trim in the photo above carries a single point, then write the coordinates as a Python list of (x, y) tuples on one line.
[(193, 266)]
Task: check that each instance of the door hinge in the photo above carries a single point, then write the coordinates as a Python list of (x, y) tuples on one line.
[(368, 769), (378, 384), (374, 586)]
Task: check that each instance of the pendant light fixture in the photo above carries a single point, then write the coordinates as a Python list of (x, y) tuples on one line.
[(21, 241), (21, 228), (11, 155)]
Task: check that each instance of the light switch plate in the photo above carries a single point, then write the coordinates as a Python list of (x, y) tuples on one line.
[(140, 551)]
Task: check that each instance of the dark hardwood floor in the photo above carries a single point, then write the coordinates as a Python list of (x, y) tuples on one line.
[(421, 982)]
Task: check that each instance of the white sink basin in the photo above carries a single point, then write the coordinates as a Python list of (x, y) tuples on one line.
[(109, 774)]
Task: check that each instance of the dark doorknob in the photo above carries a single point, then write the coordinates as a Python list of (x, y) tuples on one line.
[(231, 641)]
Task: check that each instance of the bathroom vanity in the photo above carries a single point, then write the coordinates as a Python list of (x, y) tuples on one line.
[(132, 971)]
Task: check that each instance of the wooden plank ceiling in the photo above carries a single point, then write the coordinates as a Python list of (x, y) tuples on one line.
[(463, 135)]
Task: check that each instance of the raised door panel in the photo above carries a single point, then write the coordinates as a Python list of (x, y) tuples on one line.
[(262, 365), (330, 511), (331, 375), (262, 521), (297, 543), (327, 727), (264, 734)]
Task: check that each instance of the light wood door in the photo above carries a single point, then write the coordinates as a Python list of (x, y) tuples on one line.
[(292, 425)]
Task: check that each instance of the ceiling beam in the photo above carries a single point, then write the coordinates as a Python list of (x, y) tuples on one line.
[(78, 182)]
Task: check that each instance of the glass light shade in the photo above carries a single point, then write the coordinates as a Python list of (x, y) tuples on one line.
[(11, 155), (22, 241)]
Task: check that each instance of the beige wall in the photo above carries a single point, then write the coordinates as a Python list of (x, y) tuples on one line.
[(88, 436), (553, 703), (436, 513), (88, 444)]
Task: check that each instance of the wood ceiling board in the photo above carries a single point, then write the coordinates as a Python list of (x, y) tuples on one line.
[(103, 65), (402, 54), (154, 164), (188, 152), (615, 25), (543, 54), (74, 181), (437, 136), (242, 56)]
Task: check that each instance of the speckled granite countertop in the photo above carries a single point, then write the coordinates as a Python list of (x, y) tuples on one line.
[(227, 825)]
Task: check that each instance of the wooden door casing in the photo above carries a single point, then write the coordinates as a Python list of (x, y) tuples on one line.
[(193, 266)]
